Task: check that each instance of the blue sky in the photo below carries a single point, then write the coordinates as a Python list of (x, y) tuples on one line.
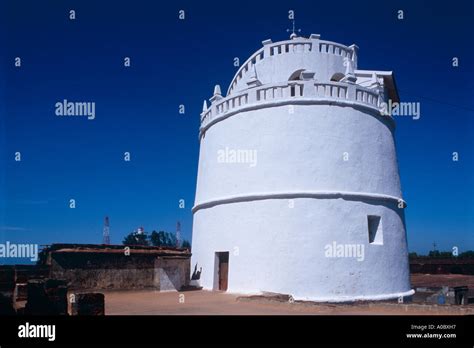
[(177, 62)]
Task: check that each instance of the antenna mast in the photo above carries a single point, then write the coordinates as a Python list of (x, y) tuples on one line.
[(106, 233), (178, 234)]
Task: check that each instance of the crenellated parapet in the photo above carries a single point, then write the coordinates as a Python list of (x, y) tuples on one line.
[(293, 93), (301, 71), (299, 50)]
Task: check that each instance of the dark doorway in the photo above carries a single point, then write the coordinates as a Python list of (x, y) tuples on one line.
[(222, 259)]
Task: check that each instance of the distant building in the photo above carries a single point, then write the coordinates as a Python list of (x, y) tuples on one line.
[(91, 266)]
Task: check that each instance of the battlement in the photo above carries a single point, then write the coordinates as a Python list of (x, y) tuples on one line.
[(298, 45), (293, 93)]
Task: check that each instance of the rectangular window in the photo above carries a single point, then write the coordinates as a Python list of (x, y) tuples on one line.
[(375, 229)]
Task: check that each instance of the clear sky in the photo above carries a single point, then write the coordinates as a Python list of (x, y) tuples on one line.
[(177, 62)]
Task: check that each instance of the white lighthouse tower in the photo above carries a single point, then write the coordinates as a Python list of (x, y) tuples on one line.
[(298, 190)]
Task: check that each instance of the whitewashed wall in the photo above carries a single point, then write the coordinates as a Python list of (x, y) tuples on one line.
[(275, 218)]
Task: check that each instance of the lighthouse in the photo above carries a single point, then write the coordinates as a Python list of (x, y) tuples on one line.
[(298, 189)]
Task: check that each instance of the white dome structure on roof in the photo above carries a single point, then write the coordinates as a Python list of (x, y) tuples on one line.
[(298, 190)]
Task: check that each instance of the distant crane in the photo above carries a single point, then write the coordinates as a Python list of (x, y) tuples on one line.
[(178, 234), (106, 233)]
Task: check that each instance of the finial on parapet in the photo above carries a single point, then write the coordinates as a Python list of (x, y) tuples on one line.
[(204, 106), (253, 80), (374, 82), (349, 74), (217, 90), (355, 49), (217, 94), (376, 85)]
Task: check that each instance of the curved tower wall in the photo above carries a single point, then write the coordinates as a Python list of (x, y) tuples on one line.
[(276, 62), (317, 166)]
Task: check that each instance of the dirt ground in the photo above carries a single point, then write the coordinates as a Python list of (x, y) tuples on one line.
[(150, 302), (419, 280)]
